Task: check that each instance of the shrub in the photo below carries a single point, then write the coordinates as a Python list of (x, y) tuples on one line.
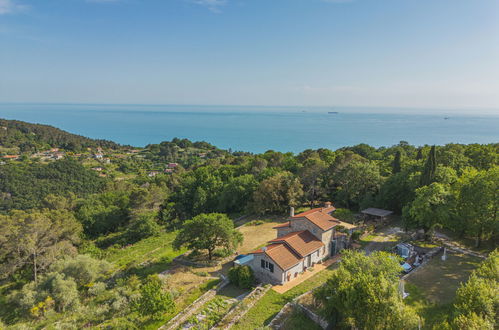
[(83, 269), (255, 223), (222, 253), (97, 288), (144, 225), (356, 235), (242, 276), (345, 215), (153, 299)]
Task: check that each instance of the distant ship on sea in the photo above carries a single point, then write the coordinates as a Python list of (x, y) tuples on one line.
[(333, 112)]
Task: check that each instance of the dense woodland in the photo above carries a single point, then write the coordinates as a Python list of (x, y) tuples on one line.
[(58, 219)]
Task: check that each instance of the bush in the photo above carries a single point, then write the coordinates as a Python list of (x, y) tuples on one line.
[(255, 223), (242, 276), (356, 235), (83, 269), (144, 225), (153, 299), (97, 288), (344, 215), (222, 253)]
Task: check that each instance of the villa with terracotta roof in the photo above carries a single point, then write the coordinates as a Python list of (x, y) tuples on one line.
[(304, 240)]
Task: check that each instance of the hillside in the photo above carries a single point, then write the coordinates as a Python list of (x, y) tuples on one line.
[(27, 137)]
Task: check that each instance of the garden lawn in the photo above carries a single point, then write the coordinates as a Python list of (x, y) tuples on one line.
[(299, 320), (257, 235), (272, 302), (432, 289), (148, 256)]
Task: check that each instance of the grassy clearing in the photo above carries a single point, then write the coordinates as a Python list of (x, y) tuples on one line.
[(149, 256), (432, 289), (231, 291), (431, 313), (439, 280), (272, 302), (255, 236), (299, 320)]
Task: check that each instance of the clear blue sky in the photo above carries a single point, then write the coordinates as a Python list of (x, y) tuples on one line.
[(434, 53)]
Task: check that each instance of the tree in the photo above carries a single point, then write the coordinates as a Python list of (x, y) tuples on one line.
[(430, 209), (312, 177), (478, 202), (53, 286), (430, 167), (477, 300), (154, 300), (104, 213), (83, 269), (356, 181), (37, 239), (363, 294), (237, 193), (141, 226), (397, 162), (207, 232), (277, 193)]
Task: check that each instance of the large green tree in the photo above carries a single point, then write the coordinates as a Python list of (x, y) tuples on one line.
[(477, 300), (35, 239), (430, 209), (430, 167), (478, 203), (356, 182), (208, 232), (277, 193), (363, 294)]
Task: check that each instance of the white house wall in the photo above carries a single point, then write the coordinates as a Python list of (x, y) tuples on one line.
[(264, 275)]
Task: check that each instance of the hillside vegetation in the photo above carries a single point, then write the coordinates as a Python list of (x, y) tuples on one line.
[(119, 212)]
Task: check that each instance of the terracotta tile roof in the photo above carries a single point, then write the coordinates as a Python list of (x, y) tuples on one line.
[(317, 209), (282, 225), (283, 256), (320, 216), (302, 242)]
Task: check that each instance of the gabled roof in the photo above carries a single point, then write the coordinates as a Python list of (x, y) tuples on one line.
[(320, 217), (302, 242), (281, 254)]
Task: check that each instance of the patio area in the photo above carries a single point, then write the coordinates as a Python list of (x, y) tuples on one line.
[(305, 276)]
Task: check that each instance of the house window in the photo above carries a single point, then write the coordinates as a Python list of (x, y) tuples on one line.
[(323, 249), (267, 265), (318, 252)]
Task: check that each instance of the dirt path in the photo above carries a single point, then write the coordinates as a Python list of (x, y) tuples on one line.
[(382, 239), (447, 241)]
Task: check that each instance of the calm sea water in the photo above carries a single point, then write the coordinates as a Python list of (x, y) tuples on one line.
[(258, 129)]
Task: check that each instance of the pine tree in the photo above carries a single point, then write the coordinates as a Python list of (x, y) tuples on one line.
[(397, 163), (419, 156), (428, 175)]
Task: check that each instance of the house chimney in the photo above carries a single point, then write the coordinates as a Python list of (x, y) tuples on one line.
[(327, 205), (264, 248), (291, 211)]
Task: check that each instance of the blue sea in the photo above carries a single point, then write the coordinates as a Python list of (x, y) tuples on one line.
[(257, 129)]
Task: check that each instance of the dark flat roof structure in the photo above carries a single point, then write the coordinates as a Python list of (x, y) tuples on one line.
[(376, 212)]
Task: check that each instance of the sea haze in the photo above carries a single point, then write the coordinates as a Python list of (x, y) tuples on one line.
[(257, 129)]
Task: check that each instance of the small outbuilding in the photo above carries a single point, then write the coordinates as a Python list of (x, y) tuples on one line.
[(376, 214)]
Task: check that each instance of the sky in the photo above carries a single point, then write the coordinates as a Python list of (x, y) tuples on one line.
[(396, 53)]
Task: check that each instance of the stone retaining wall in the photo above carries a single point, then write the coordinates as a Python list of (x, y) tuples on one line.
[(241, 308), (192, 308)]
